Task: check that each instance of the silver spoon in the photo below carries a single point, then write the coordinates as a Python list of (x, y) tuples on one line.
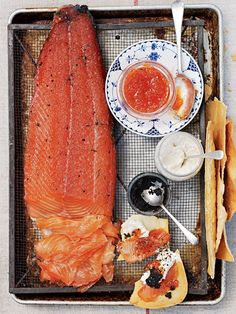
[(154, 196), (217, 155), (184, 85)]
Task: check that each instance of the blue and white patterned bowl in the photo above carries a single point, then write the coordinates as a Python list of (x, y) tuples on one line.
[(165, 53)]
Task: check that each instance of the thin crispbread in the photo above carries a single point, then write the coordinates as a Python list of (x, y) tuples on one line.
[(207, 92), (224, 252), (210, 201), (216, 112), (230, 176)]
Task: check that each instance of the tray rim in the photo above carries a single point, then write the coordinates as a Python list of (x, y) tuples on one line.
[(221, 91)]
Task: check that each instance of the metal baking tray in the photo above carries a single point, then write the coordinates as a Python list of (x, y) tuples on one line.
[(117, 28)]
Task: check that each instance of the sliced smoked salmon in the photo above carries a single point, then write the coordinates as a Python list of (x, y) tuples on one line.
[(136, 248), (79, 228), (70, 166), (74, 261)]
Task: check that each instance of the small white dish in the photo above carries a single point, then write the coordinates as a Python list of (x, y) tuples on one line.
[(170, 156)]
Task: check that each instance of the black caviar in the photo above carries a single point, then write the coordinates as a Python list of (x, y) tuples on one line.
[(154, 279), (141, 183), (168, 295)]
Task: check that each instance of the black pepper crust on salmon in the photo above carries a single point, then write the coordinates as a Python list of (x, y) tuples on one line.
[(70, 163)]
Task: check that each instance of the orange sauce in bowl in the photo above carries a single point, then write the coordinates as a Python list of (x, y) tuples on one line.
[(146, 89)]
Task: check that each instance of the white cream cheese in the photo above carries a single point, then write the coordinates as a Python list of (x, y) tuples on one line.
[(145, 276), (130, 225), (167, 258), (171, 153)]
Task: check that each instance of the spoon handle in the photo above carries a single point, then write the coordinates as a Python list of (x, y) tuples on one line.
[(177, 13), (217, 155), (191, 237)]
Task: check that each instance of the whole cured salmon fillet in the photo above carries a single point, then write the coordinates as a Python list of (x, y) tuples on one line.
[(70, 167)]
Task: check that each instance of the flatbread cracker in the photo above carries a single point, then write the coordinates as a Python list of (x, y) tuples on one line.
[(207, 92), (221, 212), (216, 112), (162, 301), (224, 252), (230, 177), (210, 201)]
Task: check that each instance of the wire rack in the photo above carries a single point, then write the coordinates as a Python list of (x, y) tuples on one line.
[(135, 154)]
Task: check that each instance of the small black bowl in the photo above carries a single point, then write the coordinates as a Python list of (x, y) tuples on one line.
[(142, 182)]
